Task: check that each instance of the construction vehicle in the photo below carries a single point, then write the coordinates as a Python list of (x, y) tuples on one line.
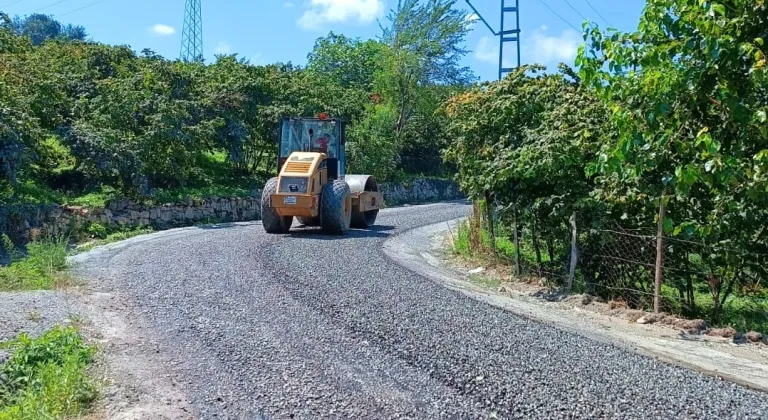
[(313, 186)]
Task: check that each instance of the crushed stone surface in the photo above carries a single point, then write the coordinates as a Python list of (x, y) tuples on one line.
[(304, 325)]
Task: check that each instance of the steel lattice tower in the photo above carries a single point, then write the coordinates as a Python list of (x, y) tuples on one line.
[(510, 35), (507, 33), (192, 33)]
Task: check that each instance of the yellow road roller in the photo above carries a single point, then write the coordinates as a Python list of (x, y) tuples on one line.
[(312, 185)]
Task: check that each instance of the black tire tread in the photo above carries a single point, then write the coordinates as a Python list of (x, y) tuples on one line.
[(272, 222), (332, 218)]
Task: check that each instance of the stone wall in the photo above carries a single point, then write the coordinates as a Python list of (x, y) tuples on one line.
[(23, 222), (418, 191)]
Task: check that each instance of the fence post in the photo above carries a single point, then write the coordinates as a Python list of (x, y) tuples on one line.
[(516, 237), (490, 220), (574, 251), (659, 255)]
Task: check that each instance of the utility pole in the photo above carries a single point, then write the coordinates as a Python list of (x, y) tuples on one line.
[(506, 36), (192, 33)]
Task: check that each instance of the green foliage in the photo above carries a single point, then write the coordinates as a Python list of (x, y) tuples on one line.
[(372, 147), (676, 109), (97, 230), (40, 268), (350, 63), (687, 97), (81, 122), (40, 28), (46, 376)]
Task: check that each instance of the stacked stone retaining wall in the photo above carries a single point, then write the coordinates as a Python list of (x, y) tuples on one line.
[(23, 222)]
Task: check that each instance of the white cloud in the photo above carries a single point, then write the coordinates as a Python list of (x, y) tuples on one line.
[(223, 47), (539, 48), (544, 27), (288, 4), (337, 11), (487, 50), (551, 49), (163, 30)]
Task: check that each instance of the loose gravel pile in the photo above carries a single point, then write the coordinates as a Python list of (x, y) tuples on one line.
[(305, 326)]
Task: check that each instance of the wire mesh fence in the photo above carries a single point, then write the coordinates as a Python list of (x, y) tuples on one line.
[(619, 264)]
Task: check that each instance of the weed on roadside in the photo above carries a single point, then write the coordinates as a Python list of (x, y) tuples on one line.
[(41, 269), (46, 377), (113, 237)]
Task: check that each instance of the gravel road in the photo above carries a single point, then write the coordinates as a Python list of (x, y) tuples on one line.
[(308, 326)]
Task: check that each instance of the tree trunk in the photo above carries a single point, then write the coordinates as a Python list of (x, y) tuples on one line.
[(574, 255), (516, 238), (550, 249), (536, 248)]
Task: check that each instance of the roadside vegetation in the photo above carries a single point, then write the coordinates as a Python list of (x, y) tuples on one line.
[(42, 268), (672, 114), (46, 377), (83, 122)]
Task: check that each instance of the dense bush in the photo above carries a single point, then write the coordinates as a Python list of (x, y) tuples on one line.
[(675, 111), (78, 117)]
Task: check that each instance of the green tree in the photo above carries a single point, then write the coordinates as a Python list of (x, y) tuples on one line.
[(40, 28), (349, 63), (425, 47), (687, 93)]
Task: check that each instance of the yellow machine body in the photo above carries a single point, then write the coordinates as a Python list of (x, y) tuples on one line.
[(301, 181)]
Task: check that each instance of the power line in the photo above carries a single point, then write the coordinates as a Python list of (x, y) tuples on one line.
[(574, 9), (598, 13), (12, 3), (81, 8), (50, 5), (558, 15)]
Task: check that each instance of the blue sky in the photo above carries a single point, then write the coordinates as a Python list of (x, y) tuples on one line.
[(266, 31)]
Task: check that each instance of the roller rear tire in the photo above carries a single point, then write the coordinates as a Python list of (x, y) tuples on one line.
[(272, 222), (335, 207)]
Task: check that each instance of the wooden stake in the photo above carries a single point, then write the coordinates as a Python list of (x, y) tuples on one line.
[(574, 251), (659, 255)]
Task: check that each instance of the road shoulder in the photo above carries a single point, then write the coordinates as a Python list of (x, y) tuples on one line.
[(423, 250)]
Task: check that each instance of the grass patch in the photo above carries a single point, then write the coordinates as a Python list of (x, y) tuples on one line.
[(215, 176), (505, 247), (487, 282), (96, 199), (170, 196), (41, 269), (218, 178), (108, 238), (742, 311), (45, 377)]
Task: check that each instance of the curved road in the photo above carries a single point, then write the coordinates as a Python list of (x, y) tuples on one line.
[(308, 326)]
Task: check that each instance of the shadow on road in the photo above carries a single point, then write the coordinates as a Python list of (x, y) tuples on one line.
[(378, 231), (223, 225)]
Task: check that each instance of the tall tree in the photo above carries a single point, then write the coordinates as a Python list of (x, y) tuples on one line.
[(40, 28), (348, 62), (425, 40)]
